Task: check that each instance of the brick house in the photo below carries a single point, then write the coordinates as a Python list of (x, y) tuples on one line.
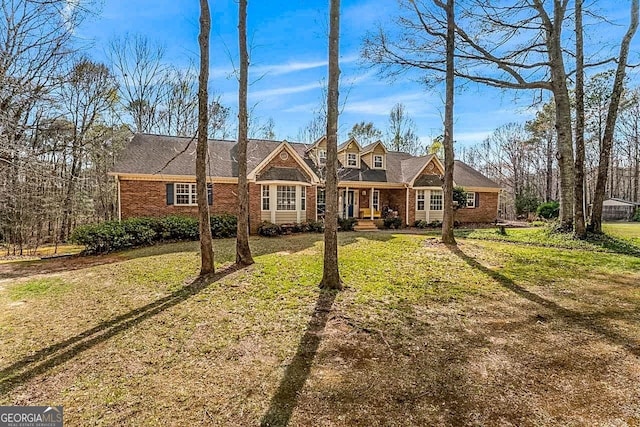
[(155, 177)]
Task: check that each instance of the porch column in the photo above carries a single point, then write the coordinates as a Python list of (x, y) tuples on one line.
[(371, 202), (346, 203)]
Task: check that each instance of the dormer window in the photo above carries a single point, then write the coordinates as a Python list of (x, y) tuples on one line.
[(352, 160), (322, 157), (377, 161)]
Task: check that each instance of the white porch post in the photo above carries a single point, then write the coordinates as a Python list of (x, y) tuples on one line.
[(298, 201), (273, 198), (346, 203), (371, 202)]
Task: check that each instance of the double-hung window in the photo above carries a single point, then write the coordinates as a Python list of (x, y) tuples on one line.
[(436, 200), (266, 201), (471, 200), (186, 194), (322, 157), (303, 198), (321, 201), (377, 161), (376, 200), (352, 160), (420, 200), (286, 198)]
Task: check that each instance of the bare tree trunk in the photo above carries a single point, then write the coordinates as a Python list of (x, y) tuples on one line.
[(206, 244), (578, 207), (243, 251), (610, 124), (330, 274), (447, 220)]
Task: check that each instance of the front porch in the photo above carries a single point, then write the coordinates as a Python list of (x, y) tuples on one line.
[(371, 203)]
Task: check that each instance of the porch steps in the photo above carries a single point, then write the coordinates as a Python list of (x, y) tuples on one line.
[(365, 225)]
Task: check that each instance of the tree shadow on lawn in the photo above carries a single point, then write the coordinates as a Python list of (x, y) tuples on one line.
[(588, 322), (286, 397), (47, 358), (614, 244)]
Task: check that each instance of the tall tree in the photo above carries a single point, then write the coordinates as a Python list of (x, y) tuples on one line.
[(365, 133), (139, 65), (578, 208), (243, 251), (447, 219), (612, 116), (401, 134), (206, 240), (330, 274)]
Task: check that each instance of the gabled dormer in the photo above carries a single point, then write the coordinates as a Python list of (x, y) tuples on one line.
[(375, 155), (349, 154), (318, 151)]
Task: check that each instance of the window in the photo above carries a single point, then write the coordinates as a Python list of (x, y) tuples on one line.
[(303, 199), (471, 200), (436, 200), (377, 161), (286, 198), (376, 200), (186, 195), (352, 161), (420, 200), (322, 157), (321, 204), (265, 198)]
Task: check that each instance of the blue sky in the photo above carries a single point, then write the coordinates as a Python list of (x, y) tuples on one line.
[(288, 62)]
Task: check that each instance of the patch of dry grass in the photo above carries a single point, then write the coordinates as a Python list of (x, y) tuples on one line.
[(491, 334)]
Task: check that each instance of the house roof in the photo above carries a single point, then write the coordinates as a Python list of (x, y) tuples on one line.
[(149, 154), (617, 201), (466, 176), (282, 174)]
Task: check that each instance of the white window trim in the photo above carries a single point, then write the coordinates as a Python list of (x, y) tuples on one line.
[(295, 199), (376, 194), (303, 198), (322, 159), (434, 193), (263, 197), (355, 158), (381, 161), (422, 193), (473, 204), (192, 192)]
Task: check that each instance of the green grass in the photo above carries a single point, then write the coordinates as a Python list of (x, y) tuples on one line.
[(38, 288), (624, 230), (527, 329)]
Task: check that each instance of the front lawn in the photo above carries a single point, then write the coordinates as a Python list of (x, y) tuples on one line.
[(492, 333)]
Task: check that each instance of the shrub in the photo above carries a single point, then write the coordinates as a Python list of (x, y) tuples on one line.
[(223, 225), (269, 229), (526, 203), (636, 216), (179, 228), (459, 196), (394, 223), (134, 232), (549, 210), (100, 238), (316, 226), (347, 224)]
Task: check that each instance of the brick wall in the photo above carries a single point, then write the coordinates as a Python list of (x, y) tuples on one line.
[(486, 212), (149, 198)]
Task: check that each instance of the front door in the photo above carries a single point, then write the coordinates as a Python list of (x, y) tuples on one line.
[(349, 203)]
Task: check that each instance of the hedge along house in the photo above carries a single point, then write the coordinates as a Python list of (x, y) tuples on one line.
[(155, 176)]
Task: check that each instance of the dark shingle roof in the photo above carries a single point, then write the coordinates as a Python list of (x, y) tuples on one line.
[(466, 176), (148, 154), (428, 181), (282, 174), (170, 155)]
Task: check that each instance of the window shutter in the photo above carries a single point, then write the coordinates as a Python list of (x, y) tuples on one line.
[(477, 200), (169, 194), (210, 194)]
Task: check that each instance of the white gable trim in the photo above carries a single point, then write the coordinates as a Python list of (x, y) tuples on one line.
[(289, 149), (438, 163)]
